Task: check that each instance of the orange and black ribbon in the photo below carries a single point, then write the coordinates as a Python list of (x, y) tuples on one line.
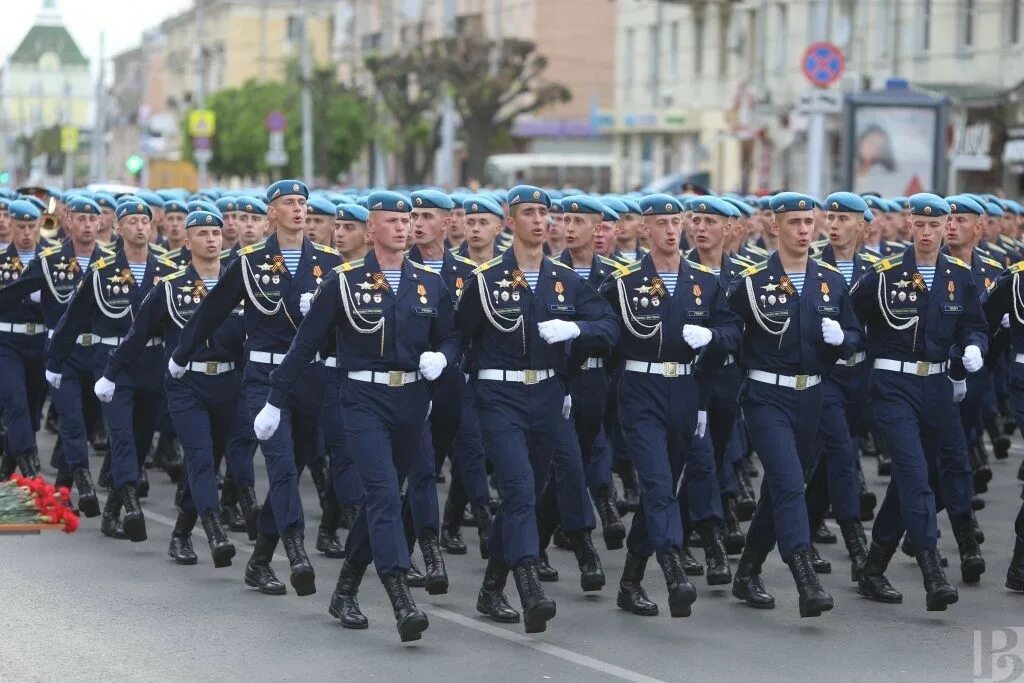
[(786, 285), (199, 289), (421, 290), (824, 289), (72, 266), (559, 287), (380, 282), (519, 279), (459, 283), (318, 271), (696, 291), (918, 282), (126, 276), (657, 287), (277, 264), (951, 288)]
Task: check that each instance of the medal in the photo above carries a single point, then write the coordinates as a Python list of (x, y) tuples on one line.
[(318, 272), (763, 300), (783, 299), (771, 299), (515, 296), (366, 298), (951, 288), (988, 283), (913, 296), (276, 279), (519, 280), (655, 301), (786, 285), (377, 298), (658, 287), (560, 290), (903, 297), (824, 292), (636, 300), (188, 298), (422, 291), (266, 279), (459, 284), (504, 296), (63, 276), (644, 301), (917, 282)]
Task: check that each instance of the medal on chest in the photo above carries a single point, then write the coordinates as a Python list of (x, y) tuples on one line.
[(12, 268)]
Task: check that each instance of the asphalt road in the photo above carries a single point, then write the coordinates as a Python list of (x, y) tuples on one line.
[(87, 608)]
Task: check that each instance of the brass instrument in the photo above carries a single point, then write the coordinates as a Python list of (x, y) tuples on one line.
[(49, 224)]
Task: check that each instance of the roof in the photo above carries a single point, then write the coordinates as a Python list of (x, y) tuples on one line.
[(978, 94), (42, 39)]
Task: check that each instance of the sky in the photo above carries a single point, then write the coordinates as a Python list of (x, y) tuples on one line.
[(122, 21)]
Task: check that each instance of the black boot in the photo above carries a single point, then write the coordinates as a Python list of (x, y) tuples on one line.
[(630, 501), (978, 503), (167, 456), (868, 501), (747, 585), (110, 525), (27, 464), (690, 564), (180, 549), (99, 440), (745, 501), (344, 601), (327, 541), (410, 620), (939, 594), (884, 464), (560, 540), (718, 572), (143, 486), (414, 577), (134, 521), (612, 528), (1015, 574), (632, 596), (348, 516), (436, 576), (491, 600), (819, 563), (88, 503), (591, 572), (451, 530), (972, 564), (1000, 442), (538, 610), (303, 579), (823, 535), (483, 518), (258, 573), (251, 509), (979, 535), (221, 548), (872, 583), (853, 537), (545, 571), (733, 538), (813, 598), (980, 470), (230, 515), (681, 593)]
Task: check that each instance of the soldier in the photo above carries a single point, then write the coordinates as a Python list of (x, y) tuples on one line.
[(321, 219), (252, 222), (5, 222), (105, 234), (228, 207)]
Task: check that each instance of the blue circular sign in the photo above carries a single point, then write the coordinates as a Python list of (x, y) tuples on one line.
[(823, 64)]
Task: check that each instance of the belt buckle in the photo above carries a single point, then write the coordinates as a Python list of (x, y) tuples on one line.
[(851, 361), (212, 367), (670, 369), (531, 376), (30, 328), (800, 382), (396, 378), (87, 339), (922, 368)]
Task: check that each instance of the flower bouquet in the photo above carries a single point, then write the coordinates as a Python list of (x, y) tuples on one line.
[(30, 505)]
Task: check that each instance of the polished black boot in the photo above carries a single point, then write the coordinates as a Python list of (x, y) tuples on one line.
[(630, 501), (747, 584), (134, 521), (979, 535), (414, 577), (745, 501), (491, 600), (303, 579), (853, 538), (612, 529), (410, 620), (823, 535), (435, 574), (733, 538), (110, 524), (143, 486), (538, 609), (868, 501), (1000, 442), (251, 509), (938, 593), (27, 464), (88, 503), (230, 515), (451, 530), (980, 470), (1015, 574), (690, 564), (872, 583), (545, 571), (327, 541), (718, 571), (813, 598), (483, 519), (344, 601), (632, 596), (972, 564), (819, 563), (221, 549), (258, 573), (681, 593), (560, 540), (591, 572), (180, 549)]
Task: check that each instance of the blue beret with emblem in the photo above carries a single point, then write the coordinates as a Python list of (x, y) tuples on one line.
[(784, 202), (203, 205), (993, 209), (4, 203), (902, 202), (320, 206), (765, 203), (105, 200), (203, 219), (285, 188), (961, 203), (23, 210), (741, 205), (482, 204), (152, 198), (660, 205), (581, 203), (714, 206), (845, 202), (556, 206), (80, 204), (175, 206), (386, 200), (352, 212), (527, 194), (226, 203), (875, 202), (252, 205), (432, 199), (132, 205), (927, 204)]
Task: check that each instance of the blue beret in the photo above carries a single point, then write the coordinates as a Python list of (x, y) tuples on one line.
[(556, 206), (131, 205), (200, 219), (226, 203), (432, 199), (902, 202), (352, 212), (660, 205), (960, 203), (846, 202), (1014, 207), (363, 201), (203, 205), (616, 204), (714, 206), (791, 201), (385, 200), (151, 198), (632, 205), (993, 209), (458, 197), (105, 200), (36, 201), (172, 193), (284, 188), (251, 205), (527, 194), (876, 203), (764, 203), (4, 203), (319, 206), (927, 204), (581, 203), (175, 206), (868, 216), (482, 204), (8, 193), (742, 206), (23, 210), (80, 204)]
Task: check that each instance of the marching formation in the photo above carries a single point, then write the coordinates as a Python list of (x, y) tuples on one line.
[(577, 360)]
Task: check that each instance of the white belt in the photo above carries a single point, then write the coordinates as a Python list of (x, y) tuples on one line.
[(668, 369), (392, 378), (1019, 358), (115, 341), (211, 367), (592, 363), (266, 357), (798, 382), (853, 360), (521, 376), (23, 328), (919, 368), (82, 339), (331, 362)]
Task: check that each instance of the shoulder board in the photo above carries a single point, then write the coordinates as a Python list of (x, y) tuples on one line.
[(173, 253), (109, 251), (699, 266), (463, 259), (174, 275), (608, 262), (990, 262), (889, 262), (1003, 239), (252, 247), (50, 251), (326, 249), (157, 248), (756, 268), (819, 244), (826, 264), (869, 258), (504, 247), (487, 264), (559, 263), (102, 263), (895, 245), (225, 253), (422, 267), (954, 259), (622, 270), (348, 265), (996, 248), (754, 249), (1017, 267), (168, 263), (740, 261)]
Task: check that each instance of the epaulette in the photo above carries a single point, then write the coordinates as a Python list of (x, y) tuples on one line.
[(173, 253), (896, 245), (826, 264), (954, 259), (626, 269), (869, 258), (611, 263), (888, 263), (174, 275), (225, 253), (463, 259), (167, 262), (873, 252), (819, 244), (996, 248), (741, 262), (990, 262), (559, 263), (252, 248), (1017, 267), (50, 251), (348, 265), (757, 250), (100, 264), (487, 264), (52, 242), (504, 247), (699, 266), (326, 249), (157, 248), (1009, 241), (109, 251), (422, 267), (756, 268)]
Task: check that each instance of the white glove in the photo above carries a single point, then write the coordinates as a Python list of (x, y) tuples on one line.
[(35, 297), (1005, 322), (832, 332), (175, 370), (304, 301), (104, 389), (431, 364), (53, 378), (554, 331), (972, 358), (959, 389), (566, 407), (702, 424), (696, 336), (266, 422)]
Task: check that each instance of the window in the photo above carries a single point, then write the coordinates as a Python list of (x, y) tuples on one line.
[(924, 11), (469, 23), (371, 41), (781, 39), (295, 28), (724, 17), (1013, 22), (698, 43), (673, 51), (966, 22)]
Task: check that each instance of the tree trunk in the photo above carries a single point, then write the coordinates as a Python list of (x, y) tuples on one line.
[(478, 147), (409, 166)]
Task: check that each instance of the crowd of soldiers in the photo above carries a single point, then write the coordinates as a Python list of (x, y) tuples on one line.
[(565, 353)]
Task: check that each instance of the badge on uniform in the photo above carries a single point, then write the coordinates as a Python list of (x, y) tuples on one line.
[(422, 292), (277, 264), (658, 287), (458, 286), (560, 290), (786, 285), (379, 282), (918, 282), (318, 273), (696, 294), (824, 292), (519, 279), (951, 287)]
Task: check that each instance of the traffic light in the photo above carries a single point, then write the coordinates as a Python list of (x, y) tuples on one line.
[(134, 164), (5, 177)]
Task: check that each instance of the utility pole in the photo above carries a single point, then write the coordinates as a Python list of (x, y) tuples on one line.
[(97, 160), (380, 171), (200, 69), (816, 121), (307, 100), (144, 107), (445, 158)]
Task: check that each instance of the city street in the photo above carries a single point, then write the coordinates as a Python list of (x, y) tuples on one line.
[(88, 608)]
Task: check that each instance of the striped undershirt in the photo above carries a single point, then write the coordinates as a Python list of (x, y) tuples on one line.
[(798, 281), (393, 277), (435, 265), (846, 268), (531, 278), (670, 281), (716, 271), (583, 272), (27, 256), (631, 255), (291, 259), (83, 262), (928, 273), (210, 282), (138, 272)]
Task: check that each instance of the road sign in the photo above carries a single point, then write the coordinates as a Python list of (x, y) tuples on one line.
[(823, 64), (276, 155), (819, 101), (202, 123), (69, 139), (276, 121), (201, 143)]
